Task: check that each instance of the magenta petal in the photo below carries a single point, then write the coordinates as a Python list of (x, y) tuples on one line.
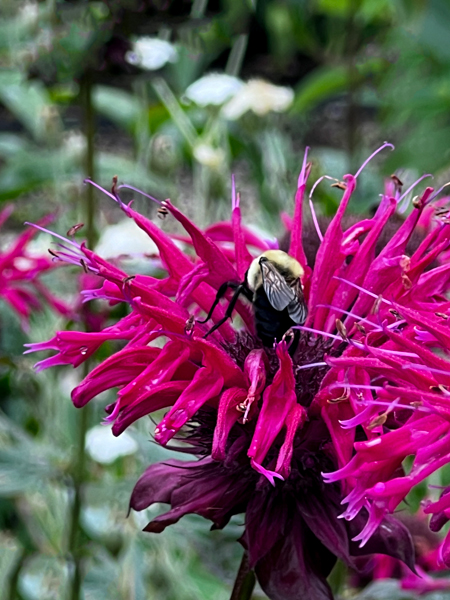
[(175, 261), (227, 415), (219, 267), (296, 247), (117, 370), (223, 232), (294, 421), (329, 258), (278, 400), (160, 370), (205, 385), (345, 294), (243, 256), (445, 551), (161, 396)]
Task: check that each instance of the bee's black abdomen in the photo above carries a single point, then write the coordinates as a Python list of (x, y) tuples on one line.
[(271, 324)]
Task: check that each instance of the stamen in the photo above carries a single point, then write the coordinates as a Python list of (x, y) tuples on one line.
[(99, 187), (413, 406), (310, 366), (318, 332), (411, 187), (357, 386), (426, 368), (342, 330), (189, 327), (234, 198), (380, 298), (431, 198), (315, 221), (74, 229), (53, 234), (366, 162), (304, 171), (350, 314), (138, 191), (398, 182)]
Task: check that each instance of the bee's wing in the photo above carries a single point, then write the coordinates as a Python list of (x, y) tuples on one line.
[(278, 292), (297, 308)]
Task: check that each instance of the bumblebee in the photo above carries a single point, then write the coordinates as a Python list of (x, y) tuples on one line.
[(273, 285)]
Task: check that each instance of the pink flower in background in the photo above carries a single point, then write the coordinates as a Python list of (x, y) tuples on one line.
[(20, 270), (286, 433), (428, 576)]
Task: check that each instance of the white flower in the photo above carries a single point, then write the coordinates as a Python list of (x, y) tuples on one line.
[(124, 239), (151, 53), (215, 88), (104, 448), (209, 156), (29, 14), (260, 97)]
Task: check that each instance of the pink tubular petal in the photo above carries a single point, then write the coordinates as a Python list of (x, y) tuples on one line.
[(220, 268), (175, 261), (205, 385), (296, 247), (117, 370), (255, 371), (227, 415), (174, 354), (444, 553), (243, 256), (223, 232), (329, 258), (343, 438), (268, 474), (221, 361), (160, 396), (294, 421), (381, 274), (345, 295), (278, 400)]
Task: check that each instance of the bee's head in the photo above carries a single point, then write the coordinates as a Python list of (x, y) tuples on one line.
[(287, 266)]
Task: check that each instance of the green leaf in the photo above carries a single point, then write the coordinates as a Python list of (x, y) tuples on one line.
[(319, 86), (28, 101), (130, 172), (119, 106)]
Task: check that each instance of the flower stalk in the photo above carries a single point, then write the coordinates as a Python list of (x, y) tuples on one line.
[(79, 466), (244, 582)]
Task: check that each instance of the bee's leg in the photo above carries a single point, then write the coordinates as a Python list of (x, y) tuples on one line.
[(241, 289), (220, 294)]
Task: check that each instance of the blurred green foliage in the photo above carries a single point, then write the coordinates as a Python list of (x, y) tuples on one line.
[(361, 71)]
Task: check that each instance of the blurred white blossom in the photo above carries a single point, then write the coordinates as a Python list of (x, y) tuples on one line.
[(215, 88), (209, 156), (260, 97), (151, 53), (104, 448), (124, 239)]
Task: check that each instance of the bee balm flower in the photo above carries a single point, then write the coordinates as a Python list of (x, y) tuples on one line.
[(20, 270), (366, 386)]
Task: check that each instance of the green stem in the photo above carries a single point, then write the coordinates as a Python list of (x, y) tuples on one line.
[(89, 131), (353, 86), (237, 54), (198, 9), (75, 546), (244, 582), (78, 477), (13, 592)]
